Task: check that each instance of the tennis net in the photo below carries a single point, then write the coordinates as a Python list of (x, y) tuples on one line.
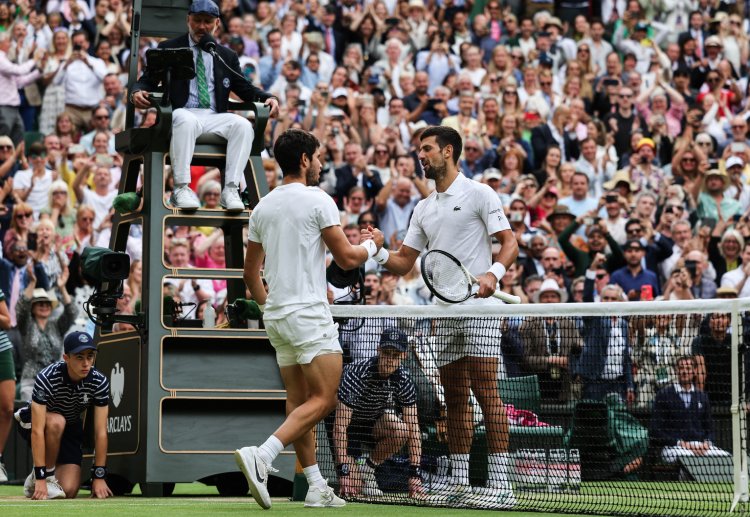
[(611, 408)]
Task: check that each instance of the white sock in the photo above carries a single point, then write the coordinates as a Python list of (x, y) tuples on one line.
[(51, 473), (498, 471), (312, 473), (460, 469), (270, 449)]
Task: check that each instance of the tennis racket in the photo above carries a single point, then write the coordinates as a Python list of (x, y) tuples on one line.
[(450, 281)]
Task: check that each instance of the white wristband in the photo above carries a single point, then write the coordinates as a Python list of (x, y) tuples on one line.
[(382, 256), (370, 248), (498, 270)]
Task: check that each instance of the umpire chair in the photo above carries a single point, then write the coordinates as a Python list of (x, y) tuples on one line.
[(183, 398)]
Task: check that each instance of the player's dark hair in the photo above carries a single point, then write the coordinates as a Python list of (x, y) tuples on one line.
[(291, 146), (445, 136)]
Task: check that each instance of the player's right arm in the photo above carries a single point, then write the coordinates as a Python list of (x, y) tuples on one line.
[(348, 256), (38, 446), (251, 275), (400, 262)]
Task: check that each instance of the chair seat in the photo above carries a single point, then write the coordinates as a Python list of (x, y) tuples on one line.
[(211, 140)]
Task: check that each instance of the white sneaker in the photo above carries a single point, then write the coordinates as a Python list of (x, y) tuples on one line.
[(54, 490), (256, 471), (491, 498), (230, 199), (451, 494), (184, 198), (323, 498), (3, 474), (370, 486), (28, 486)]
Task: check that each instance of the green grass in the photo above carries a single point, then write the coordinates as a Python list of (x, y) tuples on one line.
[(198, 499)]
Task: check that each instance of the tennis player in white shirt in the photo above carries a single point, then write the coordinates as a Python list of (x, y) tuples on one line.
[(461, 217), (292, 226)]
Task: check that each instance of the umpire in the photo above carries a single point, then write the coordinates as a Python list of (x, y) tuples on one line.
[(377, 411), (53, 426)]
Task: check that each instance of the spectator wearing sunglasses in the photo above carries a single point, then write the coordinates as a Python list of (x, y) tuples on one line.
[(100, 123), (657, 246)]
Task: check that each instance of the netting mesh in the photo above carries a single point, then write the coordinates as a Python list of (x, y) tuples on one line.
[(568, 411)]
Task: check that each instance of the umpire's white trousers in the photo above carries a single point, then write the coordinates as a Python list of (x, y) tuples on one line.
[(190, 123), (670, 454)]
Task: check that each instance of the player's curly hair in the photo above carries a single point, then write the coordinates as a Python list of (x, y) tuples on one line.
[(289, 148)]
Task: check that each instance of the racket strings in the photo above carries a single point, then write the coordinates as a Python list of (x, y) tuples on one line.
[(447, 277)]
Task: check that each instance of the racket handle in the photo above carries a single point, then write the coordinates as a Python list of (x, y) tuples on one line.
[(507, 298)]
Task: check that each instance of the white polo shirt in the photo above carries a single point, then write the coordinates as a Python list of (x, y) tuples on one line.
[(461, 221), (288, 224)]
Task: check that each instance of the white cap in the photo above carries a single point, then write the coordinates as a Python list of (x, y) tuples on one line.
[(734, 160), (340, 92)]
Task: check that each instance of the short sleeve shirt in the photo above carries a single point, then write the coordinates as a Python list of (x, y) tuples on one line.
[(460, 221), (288, 223), (54, 388)]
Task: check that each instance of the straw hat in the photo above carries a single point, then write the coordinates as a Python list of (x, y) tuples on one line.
[(41, 295), (621, 176), (550, 285), (717, 172), (560, 211)]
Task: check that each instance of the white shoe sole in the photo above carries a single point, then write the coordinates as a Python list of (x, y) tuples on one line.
[(489, 502), (247, 470), (232, 209), (322, 505)]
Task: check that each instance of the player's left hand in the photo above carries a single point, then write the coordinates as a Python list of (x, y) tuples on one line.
[(487, 285), (100, 490), (274, 105)]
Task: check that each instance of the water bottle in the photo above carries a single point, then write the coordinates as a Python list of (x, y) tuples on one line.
[(209, 317)]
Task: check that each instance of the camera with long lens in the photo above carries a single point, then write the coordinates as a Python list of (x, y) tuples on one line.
[(105, 270), (242, 310)]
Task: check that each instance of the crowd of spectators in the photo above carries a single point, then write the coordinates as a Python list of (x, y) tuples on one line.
[(614, 132)]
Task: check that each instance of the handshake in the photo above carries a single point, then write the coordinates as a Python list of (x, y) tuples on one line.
[(348, 275)]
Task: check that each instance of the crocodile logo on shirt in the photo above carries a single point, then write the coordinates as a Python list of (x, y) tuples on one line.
[(456, 208)]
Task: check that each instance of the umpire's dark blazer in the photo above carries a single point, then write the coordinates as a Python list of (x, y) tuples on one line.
[(224, 80), (671, 421)]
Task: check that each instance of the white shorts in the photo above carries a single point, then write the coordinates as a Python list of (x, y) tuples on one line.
[(302, 336), (459, 338)]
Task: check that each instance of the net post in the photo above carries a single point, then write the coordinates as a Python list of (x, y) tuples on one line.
[(738, 417)]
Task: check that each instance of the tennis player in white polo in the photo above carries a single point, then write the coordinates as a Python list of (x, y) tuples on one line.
[(461, 217), (291, 227)]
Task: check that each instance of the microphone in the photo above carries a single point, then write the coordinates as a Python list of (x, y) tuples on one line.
[(207, 43)]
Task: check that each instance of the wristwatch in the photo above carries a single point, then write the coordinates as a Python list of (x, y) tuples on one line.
[(342, 469)]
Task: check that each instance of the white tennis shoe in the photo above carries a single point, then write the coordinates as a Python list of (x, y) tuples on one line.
[(184, 198), (490, 498), (54, 490), (323, 498), (256, 471), (450, 494), (28, 486), (370, 486), (230, 199)]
